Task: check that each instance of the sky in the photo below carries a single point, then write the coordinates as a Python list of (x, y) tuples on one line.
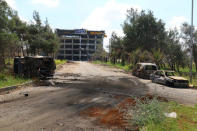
[(107, 15)]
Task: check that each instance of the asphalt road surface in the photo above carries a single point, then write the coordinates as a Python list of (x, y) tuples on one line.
[(56, 105)]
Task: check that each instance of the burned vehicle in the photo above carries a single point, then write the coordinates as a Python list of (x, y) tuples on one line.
[(168, 78), (143, 70), (41, 67)]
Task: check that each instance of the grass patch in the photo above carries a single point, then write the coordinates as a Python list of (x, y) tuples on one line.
[(60, 62), (169, 124), (187, 116), (186, 119), (118, 65), (10, 80), (9, 61), (7, 77), (148, 111), (187, 69)]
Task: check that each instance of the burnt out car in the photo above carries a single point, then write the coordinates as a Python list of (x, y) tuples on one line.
[(168, 78), (42, 67), (143, 70)]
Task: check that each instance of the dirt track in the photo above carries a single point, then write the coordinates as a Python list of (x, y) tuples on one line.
[(78, 86)]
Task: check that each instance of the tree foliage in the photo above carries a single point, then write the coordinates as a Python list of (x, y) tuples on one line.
[(100, 53), (147, 40), (143, 30), (186, 35), (7, 37), (17, 38)]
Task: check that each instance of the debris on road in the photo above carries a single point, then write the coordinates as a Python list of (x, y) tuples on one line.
[(26, 94), (115, 116), (45, 83), (171, 115), (107, 116)]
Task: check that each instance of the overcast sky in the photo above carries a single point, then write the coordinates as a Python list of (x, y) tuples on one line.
[(105, 15)]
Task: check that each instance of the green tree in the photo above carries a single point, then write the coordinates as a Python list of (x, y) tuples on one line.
[(20, 28), (186, 36), (116, 48), (8, 39), (100, 53), (195, 49), (174, 54), (157, 57), (41, 38), (143, 30)]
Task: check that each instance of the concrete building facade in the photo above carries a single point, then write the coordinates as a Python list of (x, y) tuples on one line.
[(79, 44)]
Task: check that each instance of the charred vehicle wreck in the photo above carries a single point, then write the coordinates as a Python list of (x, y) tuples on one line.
[(42, 67)]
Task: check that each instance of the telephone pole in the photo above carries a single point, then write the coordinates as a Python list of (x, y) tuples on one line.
[(191, 44)]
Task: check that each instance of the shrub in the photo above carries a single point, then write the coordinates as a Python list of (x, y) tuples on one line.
[(59, 62), (146, 112), (3, 77)]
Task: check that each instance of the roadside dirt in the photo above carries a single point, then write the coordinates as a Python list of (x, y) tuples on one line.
[(79, 91)]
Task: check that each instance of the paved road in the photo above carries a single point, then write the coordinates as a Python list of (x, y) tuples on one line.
[(76, 87)]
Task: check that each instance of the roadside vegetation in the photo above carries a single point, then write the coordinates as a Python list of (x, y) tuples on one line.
[(147, 40), (19, 38), (184, 72), (7, 77), (185, 121), (149, 114), (117, 65), (7, 80), (60, 62)]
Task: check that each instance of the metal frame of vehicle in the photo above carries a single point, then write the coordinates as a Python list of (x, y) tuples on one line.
[(142, 70), (161, 77), (42, 67)]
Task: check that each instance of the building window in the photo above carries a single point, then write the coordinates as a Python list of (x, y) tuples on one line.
[(84, 41), (98, 41), (62, 41), (76, 41), (61, 46), (91, 41), (76, 52), (91, 52), (68, 46), (60, 57), (68, 52), (61, 51), (83, 52), (83, 46), (68, 41), (76, 46), (99, 37), (69, 57), (92, 36), (91, 47), (84, 36)]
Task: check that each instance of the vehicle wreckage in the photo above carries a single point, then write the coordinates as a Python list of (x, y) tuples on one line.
[(42, 67)]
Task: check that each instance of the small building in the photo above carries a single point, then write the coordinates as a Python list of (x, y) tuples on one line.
[(79, 44)]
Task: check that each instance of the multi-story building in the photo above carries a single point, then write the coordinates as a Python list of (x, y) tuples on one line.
[(78, 44)]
